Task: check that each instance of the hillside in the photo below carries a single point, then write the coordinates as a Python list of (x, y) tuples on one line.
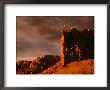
[(76, 67), (51, 65)]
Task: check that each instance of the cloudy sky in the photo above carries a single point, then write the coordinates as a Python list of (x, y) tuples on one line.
[(40, 35)]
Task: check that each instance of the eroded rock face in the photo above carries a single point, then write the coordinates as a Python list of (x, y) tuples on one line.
[(76, 44)]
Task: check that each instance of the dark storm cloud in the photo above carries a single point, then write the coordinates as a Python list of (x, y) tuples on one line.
[(51, 26), (39, 35)]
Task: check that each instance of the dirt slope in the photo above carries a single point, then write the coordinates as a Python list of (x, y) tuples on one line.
[(76, 67)]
